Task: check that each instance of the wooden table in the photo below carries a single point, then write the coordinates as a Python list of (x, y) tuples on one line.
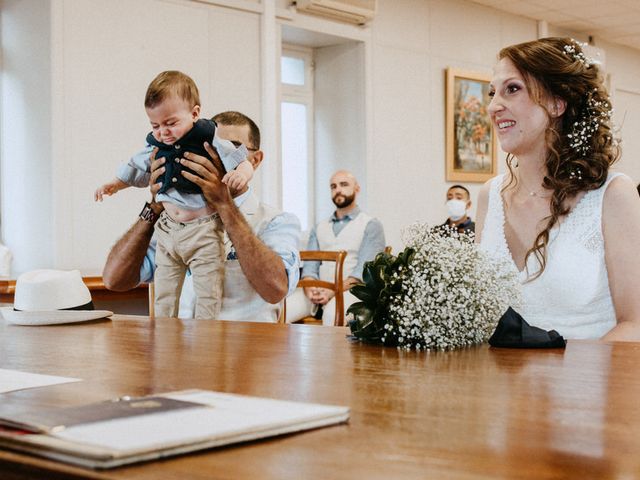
[(473, 413)]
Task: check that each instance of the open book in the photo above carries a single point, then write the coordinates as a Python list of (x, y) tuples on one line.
[(109, 434)]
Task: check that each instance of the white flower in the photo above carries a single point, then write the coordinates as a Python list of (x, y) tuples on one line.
[(452, 294)]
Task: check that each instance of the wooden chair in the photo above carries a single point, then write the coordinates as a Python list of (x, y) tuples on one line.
[(152, 300), (323, 256)]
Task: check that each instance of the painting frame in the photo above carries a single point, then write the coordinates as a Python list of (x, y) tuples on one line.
[(471, 146)]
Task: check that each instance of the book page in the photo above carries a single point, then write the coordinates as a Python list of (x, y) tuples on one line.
[(223, 417), (11, 380)]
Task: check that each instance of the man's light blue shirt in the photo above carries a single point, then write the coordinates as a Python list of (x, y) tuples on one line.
[(372, 243), (281, 235)]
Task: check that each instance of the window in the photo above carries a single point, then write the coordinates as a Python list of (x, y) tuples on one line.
[(293, 71), (296, 108)]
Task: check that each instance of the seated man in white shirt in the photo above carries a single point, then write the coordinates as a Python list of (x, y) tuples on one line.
[(350, 229)]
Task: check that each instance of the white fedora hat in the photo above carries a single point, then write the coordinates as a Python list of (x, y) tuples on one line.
[(49, 297)]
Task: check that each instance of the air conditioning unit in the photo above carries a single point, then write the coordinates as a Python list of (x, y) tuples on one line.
[(352, 11)]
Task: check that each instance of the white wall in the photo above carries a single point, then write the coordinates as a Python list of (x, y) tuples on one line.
[(414, 42), (627, 116), (27, 192), (84, 67), (340, 119), (624, 65), (94, 68)]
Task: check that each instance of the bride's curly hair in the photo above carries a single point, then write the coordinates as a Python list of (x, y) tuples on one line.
[(556, 68)]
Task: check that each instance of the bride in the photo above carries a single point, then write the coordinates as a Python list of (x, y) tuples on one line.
[(568, 224)]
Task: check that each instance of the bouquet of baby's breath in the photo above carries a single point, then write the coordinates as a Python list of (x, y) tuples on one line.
[(441, 292)]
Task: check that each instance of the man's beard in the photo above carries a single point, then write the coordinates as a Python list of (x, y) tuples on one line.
[(342, 201)]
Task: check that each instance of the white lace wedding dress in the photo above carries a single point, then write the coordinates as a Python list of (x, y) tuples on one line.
[(572, 295)]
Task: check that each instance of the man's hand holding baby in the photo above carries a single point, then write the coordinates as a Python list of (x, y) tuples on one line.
[(157, 169), (207, 176)]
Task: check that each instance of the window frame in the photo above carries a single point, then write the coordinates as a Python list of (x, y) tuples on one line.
[(302, 94)]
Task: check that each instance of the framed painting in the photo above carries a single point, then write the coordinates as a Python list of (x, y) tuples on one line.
[(471, 144)]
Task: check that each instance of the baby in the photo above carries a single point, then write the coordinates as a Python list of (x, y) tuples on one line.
[(189, 232)]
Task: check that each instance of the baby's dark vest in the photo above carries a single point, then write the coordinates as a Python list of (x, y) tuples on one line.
[(202, 131)]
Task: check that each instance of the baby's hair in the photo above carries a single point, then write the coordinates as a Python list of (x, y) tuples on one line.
[(168, 83)]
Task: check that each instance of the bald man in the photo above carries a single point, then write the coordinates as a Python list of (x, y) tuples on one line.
[(350, 229)]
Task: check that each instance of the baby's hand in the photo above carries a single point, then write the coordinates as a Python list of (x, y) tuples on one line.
[(236, 180), (108, 189)]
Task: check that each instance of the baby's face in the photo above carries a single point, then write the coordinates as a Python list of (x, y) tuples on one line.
[(172, 118)]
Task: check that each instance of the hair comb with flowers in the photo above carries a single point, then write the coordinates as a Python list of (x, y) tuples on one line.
[(570, 50), (594, 113)]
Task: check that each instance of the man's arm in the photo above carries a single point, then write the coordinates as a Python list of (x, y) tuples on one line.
[(261, 265), (137, 171), (263, 268), (122, 269), (621, 230), (311, 268), (372, 243)]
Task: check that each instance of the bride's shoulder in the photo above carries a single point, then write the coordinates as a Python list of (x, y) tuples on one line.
[(483, 205), (485, 190)]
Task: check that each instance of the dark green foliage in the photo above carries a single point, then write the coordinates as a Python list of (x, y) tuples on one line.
[(375, 294)]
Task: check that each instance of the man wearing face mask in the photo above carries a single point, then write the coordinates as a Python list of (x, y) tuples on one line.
[(458, 205), (350, 229)]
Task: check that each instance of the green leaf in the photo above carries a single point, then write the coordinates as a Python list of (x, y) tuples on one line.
[(380, 275), (356, 308), (371, 313), (368, 275), (363, 293), (362, 317), (405, 257)]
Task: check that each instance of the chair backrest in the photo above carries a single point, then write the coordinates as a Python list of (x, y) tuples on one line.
[(152, 300), (337, 285)]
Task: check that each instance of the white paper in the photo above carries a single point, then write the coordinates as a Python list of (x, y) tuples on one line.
[(11, 380), (224, 417)]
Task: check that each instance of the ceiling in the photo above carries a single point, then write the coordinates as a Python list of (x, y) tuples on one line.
[(616, 21)]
